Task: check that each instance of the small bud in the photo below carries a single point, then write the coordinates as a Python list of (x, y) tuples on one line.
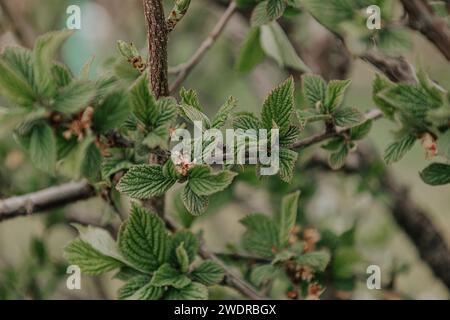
[(430, 145)]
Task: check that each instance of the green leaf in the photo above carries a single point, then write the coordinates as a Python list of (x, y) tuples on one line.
[(289, 137), (361, 131), (193, 291), (208, 273), (139, 288), (263, 274), (43, 147), (14, 86), (90, 261), (168, 276), (74, 97), (276, 45), (335, 94), (194, 203), (259, 15), (44, 52), (251, 53), (145, 181), (330, 13), (379, 85), (311, 115), (91, 165), (246, 121), (345, 117), (396, 150), (288, 217), (21, 60), (158, 137), (61, 75), (143, 240), (190, 244), (317, 260), (279, 106), (436, 174), (143, 102), (112, 112), (337, 159), (314, 88), (193, 114), (261, 236), (85, 70), (275, 8), (288, 159), (224, 113), (190, 98), (204, 183), (167, 111), (182, 258), (11, 118)]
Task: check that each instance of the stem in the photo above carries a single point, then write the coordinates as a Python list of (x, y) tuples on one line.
[(184, 69)]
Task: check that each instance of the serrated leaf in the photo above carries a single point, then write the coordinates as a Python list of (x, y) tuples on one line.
[(44, 52), (317, 260), (74, 97), (396, 150), (379, 85), (145, 181), (143, 102), (204, 183), (275, 8), (279, 106), (337, 159), (208, 273), (277, 45), (314, 88), (288, 217), (91, 165), (190, 98), (167, 111), (261, 236), (158, 137), (11, 118), (246, 121), (21, 60), (335, 94), (262, 274), (182, 258), (346, 117), (436, 174), (90, 261), (289, 137), (193, 115), (259, 15), (61, 75), (194, 203), (144, 240), (224, 113), (42, 147), (14, 86), (112, 112), (334, 144), (361, 131), (139, 288), (288, 159), (251, 53), (194, 291), (168, 276), (86, 68)]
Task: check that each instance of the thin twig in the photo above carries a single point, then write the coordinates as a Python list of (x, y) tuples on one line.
[(184, 69)]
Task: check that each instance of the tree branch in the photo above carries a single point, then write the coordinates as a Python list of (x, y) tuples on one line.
[(184, 69), (434, 28)]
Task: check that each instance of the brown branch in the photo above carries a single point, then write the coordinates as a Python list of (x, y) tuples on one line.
[(45, 199), (434, 28), (396, 69), (184, 69)]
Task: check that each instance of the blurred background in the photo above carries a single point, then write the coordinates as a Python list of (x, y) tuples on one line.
[(31, 262)]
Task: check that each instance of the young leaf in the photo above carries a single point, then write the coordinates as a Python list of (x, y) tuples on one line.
[(14, 86), (42, 147), (193, 291), (144, 104), (287, 217), (61, 75), (182, 258), (21, 60), (190, 98), (91, 165), (396, 150), (379, 85), (361, 131), (224, 113), (112, 112), (204, 183), (317, 260), (337, 158), (145, 181), (335, 94), (345, 117), (143, 240), (139, 288), (251, 53), (90, 261), (74, 97), (168, 276), (288, 159), (261, 236), (190, 244), (259, 15), (167, 111), (208, 273), (276, 45), (263, 274), (275, 8), (279, 106), (246, 121), (194, 203), (436, 174), (314, 88), (193, 114)]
